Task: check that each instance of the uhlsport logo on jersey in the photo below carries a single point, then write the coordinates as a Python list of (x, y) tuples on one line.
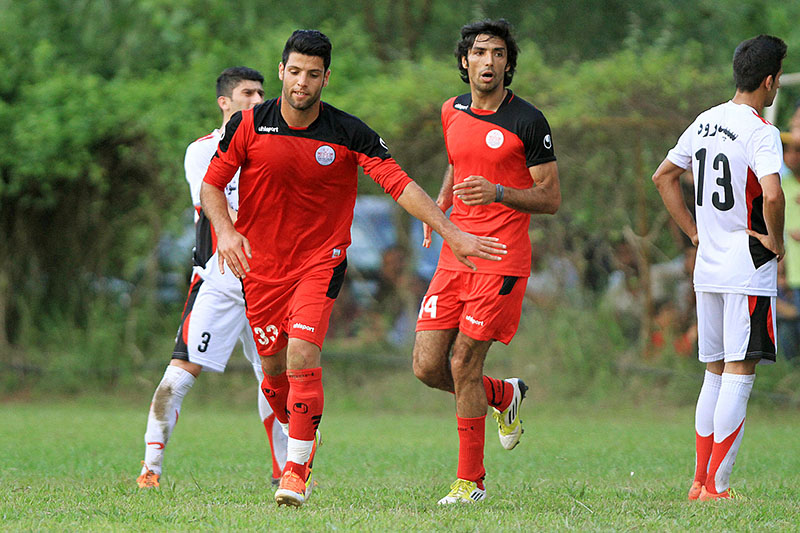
[(325, 155), (548, 142), (298, 325), (494, 139)]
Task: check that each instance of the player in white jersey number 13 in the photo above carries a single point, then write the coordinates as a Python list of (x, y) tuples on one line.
[(735, 157)]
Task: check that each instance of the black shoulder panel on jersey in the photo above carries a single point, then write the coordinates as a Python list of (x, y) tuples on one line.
[(332, 125), (350, 131), (230, 129), (265, 117)]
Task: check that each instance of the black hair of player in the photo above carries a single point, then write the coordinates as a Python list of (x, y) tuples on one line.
[(233, 76), (755, 59), (309, 43), (496, 28)]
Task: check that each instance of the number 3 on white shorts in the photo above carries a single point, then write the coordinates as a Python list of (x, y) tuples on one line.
[(429, 306), (263, 337)]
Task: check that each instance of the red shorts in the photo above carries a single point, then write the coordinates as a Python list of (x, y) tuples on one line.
[(482, 306), (299, 309)]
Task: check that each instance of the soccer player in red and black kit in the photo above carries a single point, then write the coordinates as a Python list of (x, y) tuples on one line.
[(299, 158), (502, 169)]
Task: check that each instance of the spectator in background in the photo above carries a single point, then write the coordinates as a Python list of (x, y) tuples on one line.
[(790, 292), (553, 278), (398, 296), (788, 314), (623, 293)]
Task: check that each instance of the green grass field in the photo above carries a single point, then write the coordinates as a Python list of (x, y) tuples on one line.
[(71, 465)]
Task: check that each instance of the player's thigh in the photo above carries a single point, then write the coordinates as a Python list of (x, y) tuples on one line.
[(311, 305), (442, 305), (750, 328), (493, 308), (267, 309), (250, 351), (212, 328), (710, 326), (432, 348)]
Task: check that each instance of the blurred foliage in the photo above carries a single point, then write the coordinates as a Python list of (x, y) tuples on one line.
[(101, 98)]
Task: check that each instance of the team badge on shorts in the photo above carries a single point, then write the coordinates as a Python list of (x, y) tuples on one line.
[(494, 139), (325, 155)]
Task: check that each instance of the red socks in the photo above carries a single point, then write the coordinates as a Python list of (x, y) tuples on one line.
[(304, 403), (276, 391), (499, 393), (471, 432), (703, 446)]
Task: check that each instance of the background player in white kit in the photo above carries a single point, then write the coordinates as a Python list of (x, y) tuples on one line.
[(214, 316), (735, 156)]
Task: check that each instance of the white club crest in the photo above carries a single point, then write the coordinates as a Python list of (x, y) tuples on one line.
[(325, 155), (548, 142), (494, 139)]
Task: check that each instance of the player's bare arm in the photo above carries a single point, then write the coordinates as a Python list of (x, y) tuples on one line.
[(233, 248), (543, 198), (774, 205), (667, 181), (464, 245), (444, 201)]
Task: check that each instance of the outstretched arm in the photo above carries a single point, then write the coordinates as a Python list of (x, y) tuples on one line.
[(667, 181), (444, 201), (464, 245), (232, 247), (543, 198)]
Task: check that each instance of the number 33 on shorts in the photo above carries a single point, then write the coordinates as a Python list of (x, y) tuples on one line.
[(429, 306), (265, 337)]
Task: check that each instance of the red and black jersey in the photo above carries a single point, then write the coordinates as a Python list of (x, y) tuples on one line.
[(500, 146), (297, 187)]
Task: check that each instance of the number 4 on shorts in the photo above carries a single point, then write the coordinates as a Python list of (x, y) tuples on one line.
[(429, 306)]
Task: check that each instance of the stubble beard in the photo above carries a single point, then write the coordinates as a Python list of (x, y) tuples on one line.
[(301, 107)]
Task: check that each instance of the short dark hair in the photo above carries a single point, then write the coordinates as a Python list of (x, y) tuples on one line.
[(309, 43), (496, 28), (755, 59), (233, 76)]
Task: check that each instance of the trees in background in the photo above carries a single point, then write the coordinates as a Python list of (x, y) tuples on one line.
[(99, 100)]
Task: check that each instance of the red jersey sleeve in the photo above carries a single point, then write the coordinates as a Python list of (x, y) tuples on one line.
[(231, 151), (373, 156), (386, 173)]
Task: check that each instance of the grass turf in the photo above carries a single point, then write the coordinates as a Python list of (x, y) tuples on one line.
[(71, 466)]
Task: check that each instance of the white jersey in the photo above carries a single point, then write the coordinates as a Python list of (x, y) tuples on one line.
[(730, 148), (198, 157)]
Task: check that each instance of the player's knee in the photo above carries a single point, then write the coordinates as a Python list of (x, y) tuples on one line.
[(424, 371), (465, 364)]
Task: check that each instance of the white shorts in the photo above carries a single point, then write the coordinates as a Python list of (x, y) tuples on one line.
[(736, 327), (211, 325)]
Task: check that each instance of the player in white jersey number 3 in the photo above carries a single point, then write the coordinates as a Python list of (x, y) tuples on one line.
[(735, 157), (214, 316)]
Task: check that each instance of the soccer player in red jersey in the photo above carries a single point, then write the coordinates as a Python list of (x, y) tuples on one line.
[(297, 188), (735, 157), (502, 169)]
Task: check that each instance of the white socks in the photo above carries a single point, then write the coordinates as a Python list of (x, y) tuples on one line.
[(164, 411), (729, 418), (706, 404)]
